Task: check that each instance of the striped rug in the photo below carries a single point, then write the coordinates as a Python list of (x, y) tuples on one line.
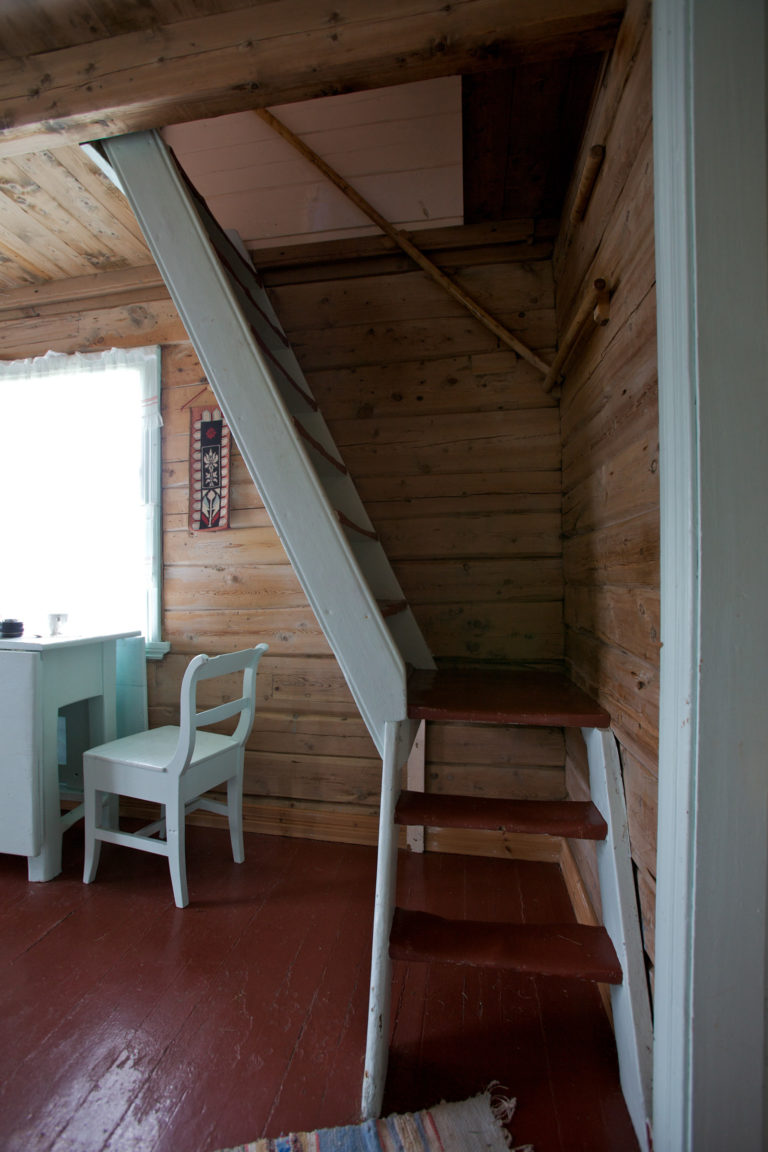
[(474, 1125)]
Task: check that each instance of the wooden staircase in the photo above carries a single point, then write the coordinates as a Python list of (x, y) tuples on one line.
[(611, 954), (360, 606), (282, 436)]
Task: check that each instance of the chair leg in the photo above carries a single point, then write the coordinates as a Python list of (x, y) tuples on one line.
[(92, 802), (177, 862), (235, 817)]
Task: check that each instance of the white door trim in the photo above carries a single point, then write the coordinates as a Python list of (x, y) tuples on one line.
[(710, 161)]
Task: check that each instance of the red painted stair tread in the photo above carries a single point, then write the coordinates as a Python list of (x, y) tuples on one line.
[(490, 696), (574, 818), (566, 950)]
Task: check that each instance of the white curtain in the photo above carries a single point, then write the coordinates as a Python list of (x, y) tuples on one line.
[(81, 461)]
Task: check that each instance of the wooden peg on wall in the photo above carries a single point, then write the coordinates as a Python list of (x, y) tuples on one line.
[(595, 304), (587, 182)]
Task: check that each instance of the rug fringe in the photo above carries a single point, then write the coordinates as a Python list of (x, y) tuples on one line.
[(503, 1108)]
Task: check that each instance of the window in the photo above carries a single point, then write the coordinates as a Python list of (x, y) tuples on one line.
[(81, 462)]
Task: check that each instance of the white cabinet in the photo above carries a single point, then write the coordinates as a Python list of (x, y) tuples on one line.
[(37, 678), (20, 793)]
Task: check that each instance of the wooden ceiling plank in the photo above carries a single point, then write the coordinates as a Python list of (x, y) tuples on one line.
[(89, 224), (21, 184), (28, 255), (23, 224), (274, 53), (101, 189)]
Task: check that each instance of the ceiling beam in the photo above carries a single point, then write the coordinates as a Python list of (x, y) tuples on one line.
[(274, 53)]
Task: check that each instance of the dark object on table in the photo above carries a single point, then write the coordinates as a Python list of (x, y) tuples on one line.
[(11, 628)]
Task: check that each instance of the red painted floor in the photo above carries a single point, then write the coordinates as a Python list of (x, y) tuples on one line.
[(126, 1023)]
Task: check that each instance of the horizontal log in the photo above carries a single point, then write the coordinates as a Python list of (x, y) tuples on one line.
[(529, 426), (448, 582), (439, 449), (626, 617), (231, 587), (425, 486), (428, 388), (507, 633), (284, 683), (493, 745), (623, 553), (129, 326), (356, 344), (312, 733), (513, 782), (337, 780), (209, 63), (624, 487), (489, 504), (410, 295), (285, 629), (491, 535), (246, 546)]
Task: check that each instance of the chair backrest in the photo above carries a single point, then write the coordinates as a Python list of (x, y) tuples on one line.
[(208, 668)]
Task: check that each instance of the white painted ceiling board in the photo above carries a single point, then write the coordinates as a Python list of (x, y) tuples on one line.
[(399, 147)]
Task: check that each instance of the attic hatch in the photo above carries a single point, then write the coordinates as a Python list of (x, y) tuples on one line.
[(493, 146)]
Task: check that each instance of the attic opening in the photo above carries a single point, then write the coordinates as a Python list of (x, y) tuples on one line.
[(491, 146)]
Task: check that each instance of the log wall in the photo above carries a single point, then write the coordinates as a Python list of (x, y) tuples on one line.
[(609, 421), (456, 451)]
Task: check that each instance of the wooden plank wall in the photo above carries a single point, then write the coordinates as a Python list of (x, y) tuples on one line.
[(456, 451), (609, 421)]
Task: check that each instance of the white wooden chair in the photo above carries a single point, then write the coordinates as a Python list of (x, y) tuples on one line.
[(174, 766)]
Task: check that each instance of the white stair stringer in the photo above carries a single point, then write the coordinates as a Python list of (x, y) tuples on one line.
[(630, 1000), (284, 441)]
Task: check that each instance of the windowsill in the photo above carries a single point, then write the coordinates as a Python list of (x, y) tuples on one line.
[(156, 649)]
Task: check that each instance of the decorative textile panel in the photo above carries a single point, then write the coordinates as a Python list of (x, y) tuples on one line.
[(208, 470)]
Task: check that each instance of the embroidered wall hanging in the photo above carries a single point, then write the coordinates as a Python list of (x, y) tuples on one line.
[(208, 470)]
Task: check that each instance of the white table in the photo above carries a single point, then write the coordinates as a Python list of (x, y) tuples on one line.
[(38, 676)]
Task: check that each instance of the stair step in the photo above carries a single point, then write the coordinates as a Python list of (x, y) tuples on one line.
[(392, 607), (308, 438), (575, 818), (485, 696), (576, 951), (348, 523)]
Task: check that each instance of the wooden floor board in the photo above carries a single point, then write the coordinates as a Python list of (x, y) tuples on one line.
[(127, 1025)]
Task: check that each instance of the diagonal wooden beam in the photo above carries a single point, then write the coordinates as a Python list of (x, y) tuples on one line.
[(402, 238), (267, 54)]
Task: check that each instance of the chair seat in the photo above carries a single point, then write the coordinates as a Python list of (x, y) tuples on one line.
[(154, 748)]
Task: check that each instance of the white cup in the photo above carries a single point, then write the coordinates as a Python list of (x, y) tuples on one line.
[(55, 622)]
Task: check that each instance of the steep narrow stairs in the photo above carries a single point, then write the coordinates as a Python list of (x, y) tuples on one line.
[(359, 604), (280, 432), (611, 954)]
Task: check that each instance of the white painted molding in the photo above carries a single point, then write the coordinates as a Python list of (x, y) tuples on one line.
[(380, 991), (621, 919), (711, 256)]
